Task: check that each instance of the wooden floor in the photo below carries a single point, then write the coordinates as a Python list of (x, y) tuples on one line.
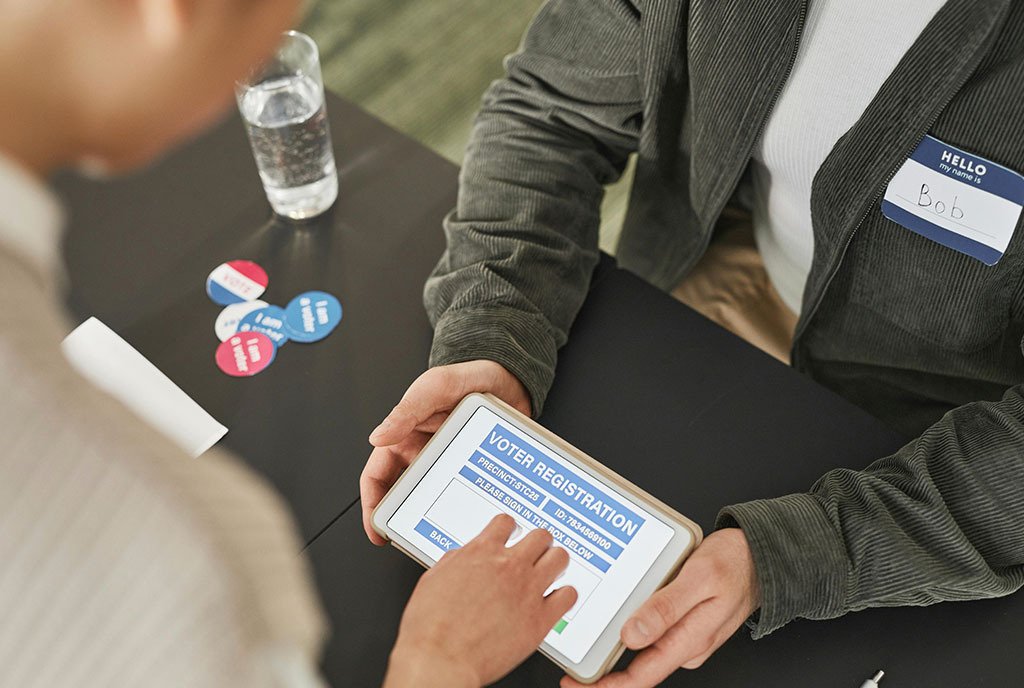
[(422, 65)]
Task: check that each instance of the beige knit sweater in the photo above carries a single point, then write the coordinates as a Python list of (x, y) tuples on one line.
[(124, 562)]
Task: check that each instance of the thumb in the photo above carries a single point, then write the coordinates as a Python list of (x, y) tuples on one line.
[(658, 614), (436, 390), (439, 390), (395, 427)]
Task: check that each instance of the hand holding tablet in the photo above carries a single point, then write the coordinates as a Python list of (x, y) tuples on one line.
[(423, 408), (686, 621), (486, 460)]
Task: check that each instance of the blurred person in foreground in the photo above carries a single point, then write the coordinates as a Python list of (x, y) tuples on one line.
[(124, 562)]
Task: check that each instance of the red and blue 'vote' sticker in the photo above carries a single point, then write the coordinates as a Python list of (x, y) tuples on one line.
[(245, 354), (312, 316), (236, 281), (268, 321)]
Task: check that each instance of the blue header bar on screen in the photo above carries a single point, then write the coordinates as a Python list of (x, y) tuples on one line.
[(558, 480), (510, 480), (564, 538), (592, 536)]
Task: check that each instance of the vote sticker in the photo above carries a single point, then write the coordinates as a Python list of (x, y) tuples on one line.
[(227, 321), (268, 321), (312, 316), (245, 354), (236, 281)]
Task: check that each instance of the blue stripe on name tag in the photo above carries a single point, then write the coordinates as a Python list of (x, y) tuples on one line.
[(998, 180), (975, 249)]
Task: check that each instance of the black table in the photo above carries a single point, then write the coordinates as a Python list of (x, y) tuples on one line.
[(138, 252), (676, 404)]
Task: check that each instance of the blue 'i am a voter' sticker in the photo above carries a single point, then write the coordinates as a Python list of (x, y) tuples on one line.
[(311, 316), (268, 321), (957, 199), (227, 322)]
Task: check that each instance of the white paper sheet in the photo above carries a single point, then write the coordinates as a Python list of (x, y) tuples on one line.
[(113, 365)]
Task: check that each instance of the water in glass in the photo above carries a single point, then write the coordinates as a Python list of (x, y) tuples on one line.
[(287, 125)]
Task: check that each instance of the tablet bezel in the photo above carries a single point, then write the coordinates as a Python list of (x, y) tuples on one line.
[(608, 647)]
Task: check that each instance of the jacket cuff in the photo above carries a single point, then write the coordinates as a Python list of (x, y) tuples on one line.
[(519, 341), (801, 565)]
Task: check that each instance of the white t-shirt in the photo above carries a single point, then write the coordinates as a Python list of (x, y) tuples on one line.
[(847, 51)]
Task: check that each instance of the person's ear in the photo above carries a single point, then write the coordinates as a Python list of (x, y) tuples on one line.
[(163, 21)]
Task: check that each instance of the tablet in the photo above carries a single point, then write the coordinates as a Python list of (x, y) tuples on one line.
[(489, 459)]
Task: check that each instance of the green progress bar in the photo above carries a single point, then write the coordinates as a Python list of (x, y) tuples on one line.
[(560, 626)]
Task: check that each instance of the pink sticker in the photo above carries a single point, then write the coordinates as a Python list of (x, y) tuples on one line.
[(245, 354)]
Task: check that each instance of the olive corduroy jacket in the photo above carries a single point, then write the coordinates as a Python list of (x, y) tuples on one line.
[(926, 338)]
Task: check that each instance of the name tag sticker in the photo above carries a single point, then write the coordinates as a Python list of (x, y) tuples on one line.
[(957, 199)]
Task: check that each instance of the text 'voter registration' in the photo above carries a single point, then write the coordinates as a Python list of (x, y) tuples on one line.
[(621, 520)]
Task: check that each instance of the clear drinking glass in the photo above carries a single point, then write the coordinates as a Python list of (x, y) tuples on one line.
[(282, 104)]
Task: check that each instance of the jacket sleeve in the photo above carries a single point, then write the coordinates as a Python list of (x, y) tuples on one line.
[(940, 520), (523, 239)]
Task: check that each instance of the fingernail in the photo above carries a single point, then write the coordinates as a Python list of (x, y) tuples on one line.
[(384, 425), (640, 630)]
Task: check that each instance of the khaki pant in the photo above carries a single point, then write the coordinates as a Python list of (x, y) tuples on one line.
[(729, 286)]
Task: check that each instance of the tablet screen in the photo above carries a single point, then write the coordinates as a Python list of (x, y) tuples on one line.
[(491, 468)]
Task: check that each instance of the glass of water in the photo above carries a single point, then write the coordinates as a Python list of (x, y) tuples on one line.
[(282, 104)]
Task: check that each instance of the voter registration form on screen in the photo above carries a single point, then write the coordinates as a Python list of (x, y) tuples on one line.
[(489, 469)]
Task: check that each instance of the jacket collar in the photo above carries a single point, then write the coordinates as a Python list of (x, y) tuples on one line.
[(709, 73), (853, 177), (739, 61)]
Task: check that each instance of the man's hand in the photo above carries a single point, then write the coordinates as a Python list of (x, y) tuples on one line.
[(426, 404), (480, 611), (682, 624)]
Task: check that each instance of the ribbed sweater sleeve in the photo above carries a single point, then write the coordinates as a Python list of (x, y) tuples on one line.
[(940, 520), (523, 239)]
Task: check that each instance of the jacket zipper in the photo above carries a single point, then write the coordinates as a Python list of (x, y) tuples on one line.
[(801, 20), (879, 192)]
